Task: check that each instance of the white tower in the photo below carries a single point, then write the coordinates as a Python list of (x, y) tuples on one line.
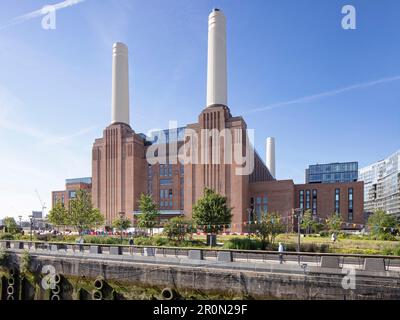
[(270, 155), (120, 84), (216, 66)]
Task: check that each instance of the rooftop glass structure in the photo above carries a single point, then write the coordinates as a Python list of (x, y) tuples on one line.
[(332, 172)]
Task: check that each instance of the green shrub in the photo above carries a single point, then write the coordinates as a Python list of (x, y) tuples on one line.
[(3, 256), (387, 251), (191, 243), (396, 251), (43, 237), (358, 251), (160, 241), (25, 262), (178, 228), (144, 241), (243, 244), (324, 233), (6, 236), (103, 240)]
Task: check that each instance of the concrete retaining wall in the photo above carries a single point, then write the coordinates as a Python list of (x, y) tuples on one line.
[(265, 282)]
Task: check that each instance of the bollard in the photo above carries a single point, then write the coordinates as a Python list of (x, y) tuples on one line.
[(95, 249), (374, 264), (224, 256), (115, 250), (330, 262), (195, 254)]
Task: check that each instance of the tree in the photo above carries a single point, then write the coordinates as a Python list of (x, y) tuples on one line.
[(267, 227), (177, 228), (121, 224), (212, 212), (308, 223), (334, 223), (58, 216), (81, 213), (149, 212), (382, 224), (10, 225)]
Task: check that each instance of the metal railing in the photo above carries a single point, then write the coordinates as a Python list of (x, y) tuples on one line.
[(390, 263)]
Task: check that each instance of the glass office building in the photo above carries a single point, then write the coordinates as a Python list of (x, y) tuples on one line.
[(382, 185), (332, 172)]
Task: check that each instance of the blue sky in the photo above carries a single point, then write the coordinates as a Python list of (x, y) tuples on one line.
[(334, 93)]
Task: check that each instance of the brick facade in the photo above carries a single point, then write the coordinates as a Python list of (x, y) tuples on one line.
[(121, 172)]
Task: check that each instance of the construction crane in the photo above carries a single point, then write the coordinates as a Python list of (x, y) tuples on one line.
[(41, 202)]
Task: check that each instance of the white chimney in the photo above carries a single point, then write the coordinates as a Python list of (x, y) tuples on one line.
[(120, 84), (270, 155), (216, 67)]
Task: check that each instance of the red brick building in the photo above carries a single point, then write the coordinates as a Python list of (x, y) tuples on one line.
[(71, 186), (214, 152)]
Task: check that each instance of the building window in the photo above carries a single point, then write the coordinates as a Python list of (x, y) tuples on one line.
[(308, 198), (164, 182), (265, 204), (337, 200), (350, 214), (260, 205), (72, 194), (166, 199), (314, 201), (301, 199)]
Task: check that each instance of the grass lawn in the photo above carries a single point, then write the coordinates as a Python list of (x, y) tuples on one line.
[(342, 245)]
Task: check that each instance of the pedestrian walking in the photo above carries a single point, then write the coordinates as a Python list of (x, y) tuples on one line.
[(281, 250), (131, 243)]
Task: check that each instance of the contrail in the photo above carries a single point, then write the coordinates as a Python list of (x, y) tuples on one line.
[(38, 13), (324, 94)]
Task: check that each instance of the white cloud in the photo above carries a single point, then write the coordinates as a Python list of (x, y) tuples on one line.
[(324, 94)]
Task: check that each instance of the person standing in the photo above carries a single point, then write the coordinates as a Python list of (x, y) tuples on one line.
[(131, 243), (281, 250)]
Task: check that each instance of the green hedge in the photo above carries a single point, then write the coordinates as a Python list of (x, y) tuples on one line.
[(255, 244), (6, 236), (243, 244)]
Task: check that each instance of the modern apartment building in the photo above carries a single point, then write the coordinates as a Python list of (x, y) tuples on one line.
[(382, 185), (332, 172)]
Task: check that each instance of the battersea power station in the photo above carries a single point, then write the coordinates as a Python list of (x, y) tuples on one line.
[(215, 151)]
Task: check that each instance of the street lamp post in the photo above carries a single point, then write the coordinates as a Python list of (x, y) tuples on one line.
[(31, 220), (249, 211), (20, 222), (298, 214), (121, 216)]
